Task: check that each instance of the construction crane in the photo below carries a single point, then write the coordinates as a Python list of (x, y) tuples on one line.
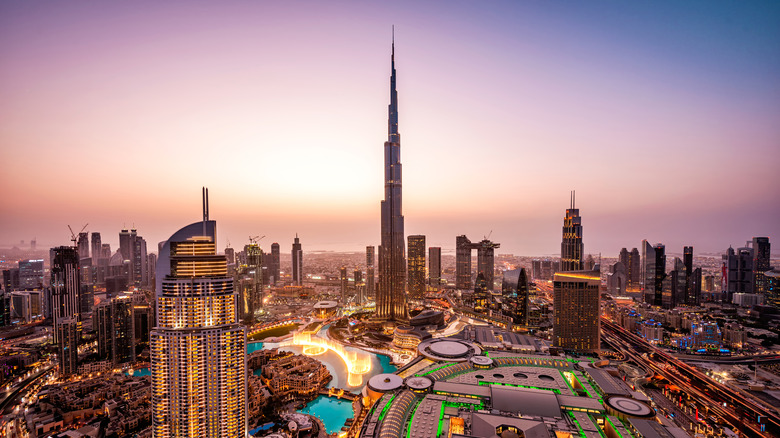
[(73, 237), (255, 240), (489, 234)]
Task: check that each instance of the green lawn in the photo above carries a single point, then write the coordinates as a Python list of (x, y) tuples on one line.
[(274, 332)]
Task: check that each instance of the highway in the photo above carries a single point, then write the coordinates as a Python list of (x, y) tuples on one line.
[(738, 412), (13, 394)]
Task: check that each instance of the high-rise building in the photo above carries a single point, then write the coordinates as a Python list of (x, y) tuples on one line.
[(31, 274), (68, 332), (515, 294), (761, 264), (572, 248), (633, 270), (11, 279), (230, 255), (65, 286), (360, 287), (485, 261), (276, 264), (370, 277), (463, 248), (114, 322), (5, 309), (391, 298), (198, 349), (434, 267), (738, 267), (416, 267), (83, 245), (654, 267), (297, 262), (576, 305), (97, 248), (344, 284), (133, 249)]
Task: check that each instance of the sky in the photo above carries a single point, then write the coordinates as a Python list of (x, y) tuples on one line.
[(663, 116)]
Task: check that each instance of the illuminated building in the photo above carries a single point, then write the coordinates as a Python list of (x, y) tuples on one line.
[(295, 376), (409, 337), (416, 267), (370, 277), (434, 267), (360, 287), (133, 248), (297, 262), (198, 349), (632, 262), (391, 297), (576, 302), (738, 271), (31, 274), (571, 247)]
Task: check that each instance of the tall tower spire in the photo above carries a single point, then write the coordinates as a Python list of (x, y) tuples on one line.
[(391, 297)]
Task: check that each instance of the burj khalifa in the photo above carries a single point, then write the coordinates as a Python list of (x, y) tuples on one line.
[(391, 297)]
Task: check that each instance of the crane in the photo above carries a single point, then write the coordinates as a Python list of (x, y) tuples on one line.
[(73, 235), (489, 234), (254, 240)]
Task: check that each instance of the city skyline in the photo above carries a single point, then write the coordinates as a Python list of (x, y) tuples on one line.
[(294, 100)]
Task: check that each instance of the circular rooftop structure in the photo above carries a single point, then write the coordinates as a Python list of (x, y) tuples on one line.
[(325, 305), (419, 383), (385, 382), (627, 407), (451, 350), (481, 362)]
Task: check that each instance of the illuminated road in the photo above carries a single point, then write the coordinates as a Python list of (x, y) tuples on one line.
[(15, 392), (740, 413)]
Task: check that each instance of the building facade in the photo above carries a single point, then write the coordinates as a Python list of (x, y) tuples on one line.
[(416, 267), (576, 301), (572, 249), (297, 262)]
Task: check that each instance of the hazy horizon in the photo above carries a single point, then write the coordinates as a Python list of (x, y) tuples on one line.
[(664, 117)]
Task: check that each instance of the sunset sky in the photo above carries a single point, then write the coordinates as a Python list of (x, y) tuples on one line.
[(663, 116)]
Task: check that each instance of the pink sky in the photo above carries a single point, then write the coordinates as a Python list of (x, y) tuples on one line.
[(665, 119)]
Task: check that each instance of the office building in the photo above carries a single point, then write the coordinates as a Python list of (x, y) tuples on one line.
[(738, 271), (97, 248), (572, 249), (654, 269), (360, 287), (31, 274), (416, 267), (297, 262), (391, 298), (632, 263), (344, 281), (114, 323), (515, 295), (370, 277), (83, 245), (68, 332), (485, 261), (11, 279), (576, 303), (198, 349), (434, 267), (276, 264), (761, 264)]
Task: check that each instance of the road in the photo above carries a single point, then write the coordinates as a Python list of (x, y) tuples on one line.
[(739, 412), (13, 394)]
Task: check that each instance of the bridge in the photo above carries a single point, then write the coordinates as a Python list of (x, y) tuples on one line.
[(338, 393)]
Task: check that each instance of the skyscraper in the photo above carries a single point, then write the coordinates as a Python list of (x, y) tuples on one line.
[(434, 266), (486, 261), (68, 332), (391, 299), (344, 283), (463, 262), (571, 246), (576, 305), (198, 349), (65, 287), (114, 322), (97, 248), (83, 245), (276, 264), (297, 262), (654, 268), (370, 292), (514, 291), (416, 270), (360, 287), (31, 274), (761, 264), (739, 271)]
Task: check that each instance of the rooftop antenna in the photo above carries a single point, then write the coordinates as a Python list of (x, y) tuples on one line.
[(573, 198), (205, 192)]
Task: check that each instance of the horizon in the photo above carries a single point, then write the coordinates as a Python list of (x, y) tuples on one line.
[(652, 113)]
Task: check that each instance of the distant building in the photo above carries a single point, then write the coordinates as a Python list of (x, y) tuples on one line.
[(416, 267), (276, 263), (738, 271), (360, 287), (31, 274), (370, 277), (114, 322), (297, 262), (654, 269), (434, 267), (617, 279), (344, 281), (572, 249), (632, 262), (485, 261), (97, 248), (761, 264), (83, 245), (576, 302)]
